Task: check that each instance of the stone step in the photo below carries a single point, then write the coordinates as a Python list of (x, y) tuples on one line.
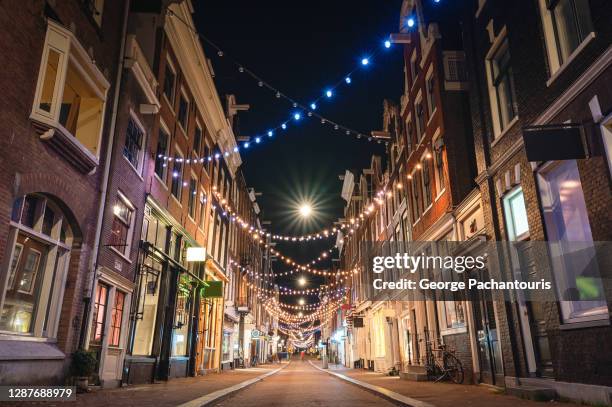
[(532, 392), (413, 376)]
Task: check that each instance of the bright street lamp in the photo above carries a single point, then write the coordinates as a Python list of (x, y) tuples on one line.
[(305, 210), (302, 281)]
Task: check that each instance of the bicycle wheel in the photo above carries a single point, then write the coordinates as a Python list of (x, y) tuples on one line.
[(454, 368)]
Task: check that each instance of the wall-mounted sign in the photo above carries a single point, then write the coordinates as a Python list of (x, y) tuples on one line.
[(255, 334), (196, 254)]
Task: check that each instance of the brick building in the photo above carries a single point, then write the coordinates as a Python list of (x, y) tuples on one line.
[(536, 63), (57, 112)]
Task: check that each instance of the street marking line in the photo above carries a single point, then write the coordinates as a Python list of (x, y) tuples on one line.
[(383, 392), (216, 395)]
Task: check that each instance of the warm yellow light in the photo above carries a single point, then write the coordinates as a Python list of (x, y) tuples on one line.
[(302, 302), (305, 210), (302, 281)]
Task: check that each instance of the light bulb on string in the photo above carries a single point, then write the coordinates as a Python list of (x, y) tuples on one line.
[(387, 44), (410, 22), (348, 80), (365, 61), (297, 116), (329, 93), (313, 106)]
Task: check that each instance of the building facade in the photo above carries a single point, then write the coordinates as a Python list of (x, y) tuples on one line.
[(58, 110)]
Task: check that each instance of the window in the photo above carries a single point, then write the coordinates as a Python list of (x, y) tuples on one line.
[(176, 186), (206, 155), (169, 82), (38, 249), (575, 267), (122, 224), (426, 178), (439, 168), (416, 200), (161, 153), (99, 314), (146, 308), (501, 88), (516, 215), (191, 202), (567, 23), (133, 149), (420, 122), (414, 68), (71, 92), (202, 210), (197, 140), (116, 319), (431, 97), (97, 8), (180, 333), (409, 131), (183, 112)]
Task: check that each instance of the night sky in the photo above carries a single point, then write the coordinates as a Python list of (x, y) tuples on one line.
[(301, 48)]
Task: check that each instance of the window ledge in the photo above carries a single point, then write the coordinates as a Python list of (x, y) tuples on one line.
[(29, 350), (604, 320), (138, 173), (505, 131), (65, 143), (453, 331), (122, 255), (571, 58), (160, 181), (440, 194)]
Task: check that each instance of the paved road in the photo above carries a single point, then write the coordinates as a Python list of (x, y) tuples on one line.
[(301, 385)]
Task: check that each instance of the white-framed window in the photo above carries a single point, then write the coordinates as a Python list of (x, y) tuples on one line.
[(197, 140), (409, 133), (419, 113), (183, 111), (203, 200), (414, 68), (415, 194), (575, 267), (133, 149), (161, 152), (122, 229), (430, 87), (515, 213), (439, 173), (500, 80), (34, 269), (192, 199), (176, 184), (567, 24), (71, 91), (169, 82), (426, 182)]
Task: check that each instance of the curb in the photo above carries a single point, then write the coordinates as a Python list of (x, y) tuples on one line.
[(379, 391), (219, 394)]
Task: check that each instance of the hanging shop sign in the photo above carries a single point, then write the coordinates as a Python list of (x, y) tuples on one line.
[(255, 334), (214, 289), (555, 142)]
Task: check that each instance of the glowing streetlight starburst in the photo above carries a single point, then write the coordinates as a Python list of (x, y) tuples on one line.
[(302, 281), (305, 210)]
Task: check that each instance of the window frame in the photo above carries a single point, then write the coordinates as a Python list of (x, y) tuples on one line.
[(172, 98), (63, 42), (126, 250), (183, 126), (500, 44), (164, 163), (141, 153), (177, 154)]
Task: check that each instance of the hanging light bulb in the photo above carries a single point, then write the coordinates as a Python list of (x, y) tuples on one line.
[(270, 133), (365, 61), (284, 126), (329, 93), (258, 140), (297, 116), (347, 80), (411, 22), (387, 44), (313, 106)]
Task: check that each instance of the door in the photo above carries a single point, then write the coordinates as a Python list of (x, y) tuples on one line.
[(489, 350)]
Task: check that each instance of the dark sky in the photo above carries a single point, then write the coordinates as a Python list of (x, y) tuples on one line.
[(301, 48)]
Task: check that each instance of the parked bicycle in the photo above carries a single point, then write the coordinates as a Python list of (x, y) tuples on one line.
[(442, 364)]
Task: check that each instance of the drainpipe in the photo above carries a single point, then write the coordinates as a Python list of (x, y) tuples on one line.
[(93, 264)]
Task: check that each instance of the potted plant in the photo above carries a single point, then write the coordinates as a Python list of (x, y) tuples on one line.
[(83, 365)]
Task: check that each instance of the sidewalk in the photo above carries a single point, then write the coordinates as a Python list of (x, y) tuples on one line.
[(440, 394), (171, 393)]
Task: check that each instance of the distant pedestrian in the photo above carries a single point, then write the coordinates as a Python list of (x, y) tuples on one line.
[(302, 355)]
